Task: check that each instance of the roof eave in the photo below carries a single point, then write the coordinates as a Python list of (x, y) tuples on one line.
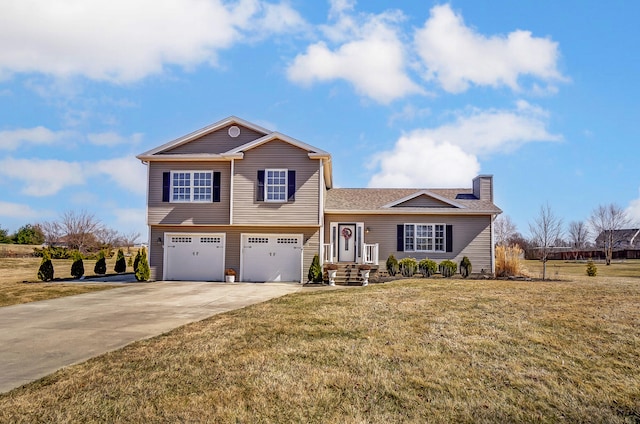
[(190, 157), (426, 211)]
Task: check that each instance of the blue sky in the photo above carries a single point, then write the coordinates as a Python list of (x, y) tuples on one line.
[(541, 94)]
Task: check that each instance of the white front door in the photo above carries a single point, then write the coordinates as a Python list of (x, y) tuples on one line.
[(346, 242), (194, 257), (268, 257)]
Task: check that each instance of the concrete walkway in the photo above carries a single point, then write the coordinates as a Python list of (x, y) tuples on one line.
[(39, 338)]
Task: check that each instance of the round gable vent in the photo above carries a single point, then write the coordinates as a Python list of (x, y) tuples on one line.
[(234, 131)]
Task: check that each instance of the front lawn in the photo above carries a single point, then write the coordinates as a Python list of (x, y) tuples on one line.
[(409, 351)]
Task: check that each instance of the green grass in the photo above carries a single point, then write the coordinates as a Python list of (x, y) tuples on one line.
[(435, 350), (19, 282)]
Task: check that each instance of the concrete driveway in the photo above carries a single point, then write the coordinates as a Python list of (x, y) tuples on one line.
[(39, 338)]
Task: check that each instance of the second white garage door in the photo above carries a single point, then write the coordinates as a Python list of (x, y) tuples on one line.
[(194, 257), (271, 257)]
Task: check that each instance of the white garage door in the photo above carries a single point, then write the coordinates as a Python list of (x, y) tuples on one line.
[(194, 257), (271, 257)]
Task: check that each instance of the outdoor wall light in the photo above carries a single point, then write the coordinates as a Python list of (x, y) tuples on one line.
[(160, 240), (367, 230)]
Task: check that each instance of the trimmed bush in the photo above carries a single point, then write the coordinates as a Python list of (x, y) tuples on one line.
[(427, 267), (408, 266), (121, 264), (448, 268), (53, 252), (465, 267), (392, 265), (136, 261), (77, 267), (592, 269), (101, 264), (143, 273), (45, 272), (315, 272)]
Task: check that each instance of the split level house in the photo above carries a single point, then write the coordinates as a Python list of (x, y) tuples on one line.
[(236, 195)]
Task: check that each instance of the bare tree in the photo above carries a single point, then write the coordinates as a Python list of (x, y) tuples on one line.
[(52, 232), (80, 229), (108, 238), (578, 236), (607, 221), (504, 230), (129, 239), (545, 230)]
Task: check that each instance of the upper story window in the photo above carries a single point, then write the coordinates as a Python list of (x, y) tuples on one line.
[(275, 185), (192, 186), (424, 237)]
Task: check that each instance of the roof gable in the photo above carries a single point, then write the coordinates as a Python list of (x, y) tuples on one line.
[(198, 140), (313, 151), (423, 199)]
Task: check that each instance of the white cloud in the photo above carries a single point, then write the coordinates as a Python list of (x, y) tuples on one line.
[(419, 161), (372, 58), (457, 56), (113, 139), (12, 139), (123, 41), (17, 210), (447, 156), (46, 177), (126, 172)]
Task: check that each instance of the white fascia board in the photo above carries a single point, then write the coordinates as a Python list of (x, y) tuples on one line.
[(190, 157), (204, 131), (318, 153), (424, 193), (424, 211)]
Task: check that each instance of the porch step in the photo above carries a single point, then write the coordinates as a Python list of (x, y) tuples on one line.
[(349, 275)]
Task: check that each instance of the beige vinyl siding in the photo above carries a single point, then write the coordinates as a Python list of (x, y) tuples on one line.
[(471, 236), (483, 187), (423, 201), (217, 142), (194, 213), (311, 243), (276, 155)]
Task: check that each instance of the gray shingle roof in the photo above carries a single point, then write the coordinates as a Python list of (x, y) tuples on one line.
[(375, 199)]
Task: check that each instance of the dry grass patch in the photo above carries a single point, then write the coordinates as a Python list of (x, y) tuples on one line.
[(411, 351), (19, 283)]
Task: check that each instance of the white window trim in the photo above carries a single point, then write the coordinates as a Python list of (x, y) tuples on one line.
[(433, 238), (266, 185), (191, 186)]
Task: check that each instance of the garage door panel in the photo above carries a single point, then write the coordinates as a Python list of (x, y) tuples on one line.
[(271, 258), (195, 257)]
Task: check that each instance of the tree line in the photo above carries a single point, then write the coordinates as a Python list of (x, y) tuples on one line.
[(77, 231)]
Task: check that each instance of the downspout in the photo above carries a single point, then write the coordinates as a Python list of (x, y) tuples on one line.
[(321, 213), (231, 191), (493, 247)]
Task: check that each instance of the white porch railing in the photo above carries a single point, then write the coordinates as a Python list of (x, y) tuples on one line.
[(370, 254), (327, 253)]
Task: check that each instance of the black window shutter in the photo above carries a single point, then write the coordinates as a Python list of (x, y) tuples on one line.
[(216, 186), (449, 236), (400, 238), (260, 189), (291, 186), (166, 186)]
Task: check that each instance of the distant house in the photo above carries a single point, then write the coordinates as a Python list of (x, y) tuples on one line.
[(236, 195), (622, 239)]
